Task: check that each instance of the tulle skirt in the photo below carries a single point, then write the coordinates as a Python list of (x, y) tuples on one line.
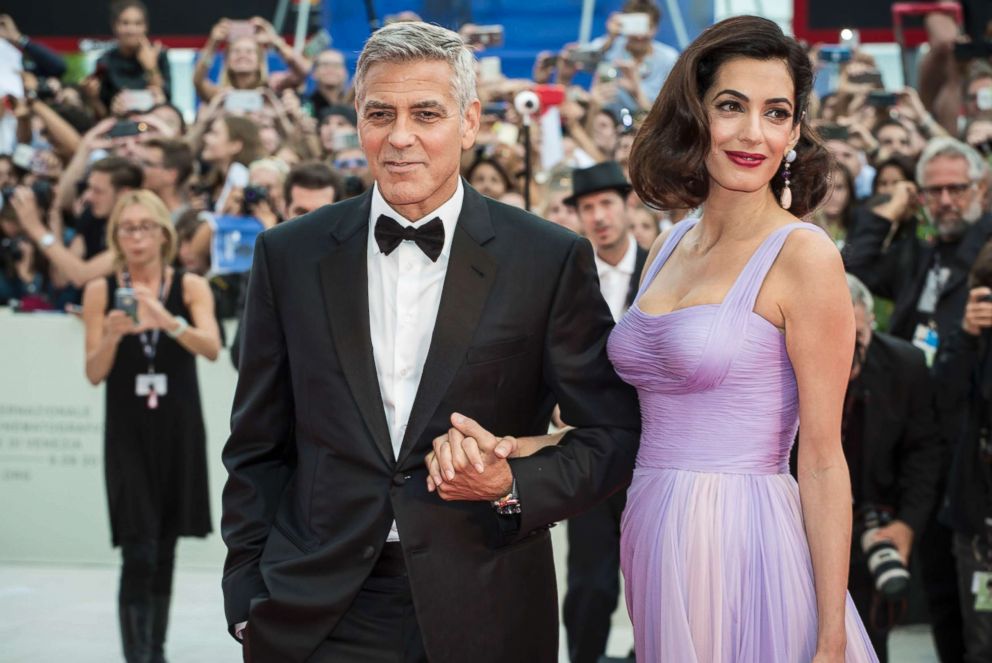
[(718, 570)]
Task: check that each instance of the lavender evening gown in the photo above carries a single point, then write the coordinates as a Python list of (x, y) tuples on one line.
[(713, 550)]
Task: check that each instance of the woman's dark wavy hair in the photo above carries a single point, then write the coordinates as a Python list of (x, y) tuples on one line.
[(667, 161)]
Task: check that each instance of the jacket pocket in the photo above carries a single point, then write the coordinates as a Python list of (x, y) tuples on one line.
[(497, 351)]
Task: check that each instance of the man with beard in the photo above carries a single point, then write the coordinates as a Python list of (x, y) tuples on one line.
[(927, 278)]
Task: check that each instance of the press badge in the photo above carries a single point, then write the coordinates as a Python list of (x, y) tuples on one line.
[(981, 585), (146, 383), (925, 338)]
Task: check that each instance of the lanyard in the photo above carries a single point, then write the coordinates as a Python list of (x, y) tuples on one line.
[(149, 346)]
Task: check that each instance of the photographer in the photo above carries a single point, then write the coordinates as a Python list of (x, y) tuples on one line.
[(145, 325), (891, 443), (245, 66), (964, 378), (643, 63), (135, 63), (24, 271)]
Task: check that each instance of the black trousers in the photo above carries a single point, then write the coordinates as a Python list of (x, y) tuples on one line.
[(593, 578), (380, 625), (872, 610), (972, 556), (940, 579)]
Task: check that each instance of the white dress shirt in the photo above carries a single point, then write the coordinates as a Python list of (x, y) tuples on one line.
[(404, 296), (614, 280)]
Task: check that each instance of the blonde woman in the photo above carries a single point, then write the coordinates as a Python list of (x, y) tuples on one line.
[(145, 324)]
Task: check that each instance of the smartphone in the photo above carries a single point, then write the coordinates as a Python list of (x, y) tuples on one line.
[(490, 69), (866, 77), (126, 128), (836, 53), (882, 99), (586, 58), (124, 300), (833, 132), (605, 72), (138, 100), (345, 141), (24, 156), (983, 99), (496, 108), (635, 24), (240, 102), (488, 36), (239, 30)]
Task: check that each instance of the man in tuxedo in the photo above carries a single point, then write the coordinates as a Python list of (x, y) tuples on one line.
[(599, 195), (368, 325)]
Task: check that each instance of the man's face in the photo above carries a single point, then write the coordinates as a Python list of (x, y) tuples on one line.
[(413, 133), (157, 178), (952, 199), (100, 194), (604, 219), (846, 154), (303, 201), (638, 45), (329, 69)]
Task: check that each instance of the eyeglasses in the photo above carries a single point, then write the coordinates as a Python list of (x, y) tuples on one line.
[(344, 164), (953, 190), (136, 231)]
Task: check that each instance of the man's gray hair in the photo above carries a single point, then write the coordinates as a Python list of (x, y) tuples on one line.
[(416, 41), (860, 294), (944, 146)]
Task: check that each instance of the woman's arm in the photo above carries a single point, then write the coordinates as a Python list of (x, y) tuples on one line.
[(103, 332), (202, 337), (819, 334), (204, 88)]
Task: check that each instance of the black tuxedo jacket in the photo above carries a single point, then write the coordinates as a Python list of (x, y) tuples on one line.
[(313, 486), (901, 446), (635, 278)]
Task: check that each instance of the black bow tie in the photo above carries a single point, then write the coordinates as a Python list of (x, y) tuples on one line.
[(429, 237)]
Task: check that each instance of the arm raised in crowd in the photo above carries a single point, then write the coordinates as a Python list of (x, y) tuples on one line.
[(205, 89)]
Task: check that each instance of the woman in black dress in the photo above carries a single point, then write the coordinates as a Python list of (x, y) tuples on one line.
[(145, 324)]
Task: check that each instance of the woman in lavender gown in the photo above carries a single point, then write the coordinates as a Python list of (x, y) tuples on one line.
[(741, 333)]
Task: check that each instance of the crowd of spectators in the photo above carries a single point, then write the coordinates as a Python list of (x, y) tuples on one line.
[(908, 205)]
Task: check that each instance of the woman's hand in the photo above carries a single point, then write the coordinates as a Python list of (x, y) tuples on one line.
[(454, 452), (148, 53), (116, 324), (151, 312), (219, 32)]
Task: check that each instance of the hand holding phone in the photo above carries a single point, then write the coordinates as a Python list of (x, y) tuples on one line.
[(126, 301)]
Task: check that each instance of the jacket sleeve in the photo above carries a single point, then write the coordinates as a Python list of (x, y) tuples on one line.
[(866, 256), (260, 452), (596, 458), (46, 61), (920, 450)]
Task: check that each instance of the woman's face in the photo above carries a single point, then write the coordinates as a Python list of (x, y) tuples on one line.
[(894, 140), (562, 214), (886, 179), (486, 179), (242, 56), (271, 140), (604, 133), (837, 195), (130, 28), (645, 228), (139, 236), (217, 144), (750, 107)]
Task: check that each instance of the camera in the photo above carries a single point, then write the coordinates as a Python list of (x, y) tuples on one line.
[(42, 190), (253, 195), (884, 563), (10, 252)]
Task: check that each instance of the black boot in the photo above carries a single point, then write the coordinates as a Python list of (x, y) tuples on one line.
[(160, 623), (136, 631)]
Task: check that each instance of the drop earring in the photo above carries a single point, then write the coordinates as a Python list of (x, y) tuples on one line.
[(786, 198)]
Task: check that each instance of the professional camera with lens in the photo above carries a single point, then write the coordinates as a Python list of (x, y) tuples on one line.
[(10, 252), (42, 190), (253, 195), (884, 563)]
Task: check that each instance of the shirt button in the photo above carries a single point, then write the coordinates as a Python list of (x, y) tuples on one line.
[(404, 372), (368, 552)]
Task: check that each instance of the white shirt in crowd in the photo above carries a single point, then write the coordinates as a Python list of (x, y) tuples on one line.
[(404, 296), (614, 280)]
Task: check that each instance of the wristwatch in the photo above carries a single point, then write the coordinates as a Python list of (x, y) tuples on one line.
[(178, 331), (47, 240)]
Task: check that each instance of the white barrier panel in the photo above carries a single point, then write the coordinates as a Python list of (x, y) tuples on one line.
[(54, 506)]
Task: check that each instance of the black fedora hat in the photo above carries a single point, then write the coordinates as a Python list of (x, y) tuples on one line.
[(601, 177)]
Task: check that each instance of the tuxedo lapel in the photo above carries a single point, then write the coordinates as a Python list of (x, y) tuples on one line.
[(344, 281), (469, 278)]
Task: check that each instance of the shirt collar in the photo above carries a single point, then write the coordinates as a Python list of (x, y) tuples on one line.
[(447, 212), (626, 264)]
